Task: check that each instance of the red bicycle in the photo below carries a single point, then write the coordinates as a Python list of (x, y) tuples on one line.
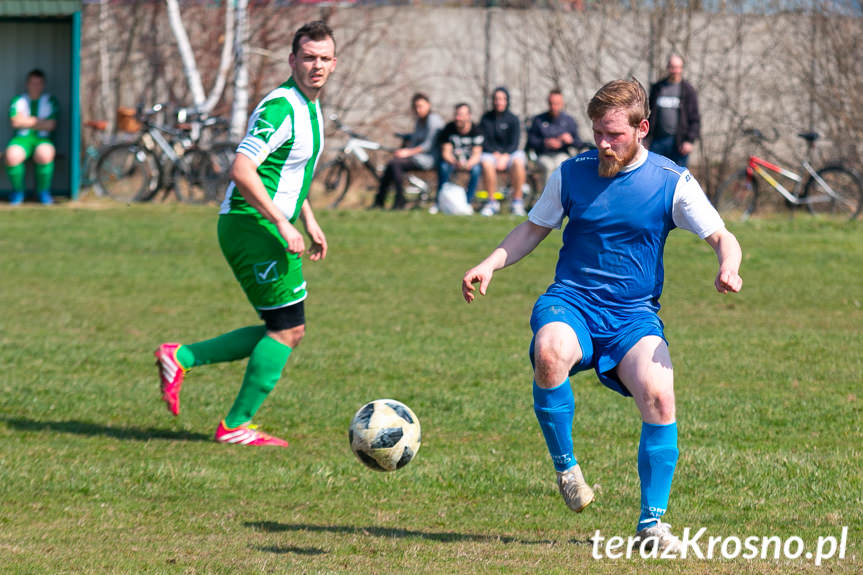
[(832, 190)]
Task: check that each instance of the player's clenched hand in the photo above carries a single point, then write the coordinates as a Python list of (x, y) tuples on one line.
[(480, 274), (728, 281), (296, 244)]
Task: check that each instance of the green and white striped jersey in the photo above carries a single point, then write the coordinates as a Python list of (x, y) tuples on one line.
[(285, 138), (43, 108)]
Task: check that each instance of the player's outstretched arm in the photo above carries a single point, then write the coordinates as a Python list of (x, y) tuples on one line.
[(244, 173), (517, 244), (729, 254), (318, 250)]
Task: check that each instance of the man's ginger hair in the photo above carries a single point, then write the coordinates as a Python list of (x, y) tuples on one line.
[(628, 95)]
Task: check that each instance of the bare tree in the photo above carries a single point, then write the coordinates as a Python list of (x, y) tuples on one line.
[(187, 56), (105, 92), (240, 106)]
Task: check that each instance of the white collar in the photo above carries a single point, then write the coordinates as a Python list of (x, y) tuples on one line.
[(640, 158)]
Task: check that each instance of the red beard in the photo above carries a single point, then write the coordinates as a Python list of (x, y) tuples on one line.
[(610, 163)]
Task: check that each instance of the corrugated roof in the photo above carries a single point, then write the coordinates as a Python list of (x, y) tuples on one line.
[(39, 7)]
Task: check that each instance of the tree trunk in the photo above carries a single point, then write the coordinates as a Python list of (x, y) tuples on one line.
[(187, 56), (224, 61), (240, 108), (105, 94)]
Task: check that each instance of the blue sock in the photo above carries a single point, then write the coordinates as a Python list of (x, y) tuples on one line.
[(555, 409), (657, 457)]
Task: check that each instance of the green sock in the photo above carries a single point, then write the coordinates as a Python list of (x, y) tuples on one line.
[(44, 174), (263, 372), (16, 176), (231, 346)]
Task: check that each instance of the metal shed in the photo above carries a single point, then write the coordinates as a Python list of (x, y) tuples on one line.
[(44, 34)]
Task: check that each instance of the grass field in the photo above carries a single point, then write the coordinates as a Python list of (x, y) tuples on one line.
[(97, 477)]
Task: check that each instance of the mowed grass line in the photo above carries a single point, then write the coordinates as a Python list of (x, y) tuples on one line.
[(97, 477)]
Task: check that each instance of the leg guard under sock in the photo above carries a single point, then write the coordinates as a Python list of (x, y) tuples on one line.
[(555, 408), (263, 372)]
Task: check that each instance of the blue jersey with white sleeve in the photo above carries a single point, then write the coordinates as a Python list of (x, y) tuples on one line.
[(613, 242)]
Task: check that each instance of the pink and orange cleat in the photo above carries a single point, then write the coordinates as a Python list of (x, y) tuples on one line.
[(246, 435), (171, 374)]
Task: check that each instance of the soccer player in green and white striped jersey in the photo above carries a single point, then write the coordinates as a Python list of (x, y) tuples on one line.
[(33, 115), (268, 194)]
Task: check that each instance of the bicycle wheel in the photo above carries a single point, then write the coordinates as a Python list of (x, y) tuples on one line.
[(88, 173), (128, 173), (336, 180), (202, 175), (846, 199), (217, 172), (737, 197), (187, 176)]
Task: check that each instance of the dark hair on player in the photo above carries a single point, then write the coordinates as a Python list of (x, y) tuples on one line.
[(316, 31)]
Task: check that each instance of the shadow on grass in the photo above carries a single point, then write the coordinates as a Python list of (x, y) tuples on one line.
[(93, 429), (444, 536), (286, 549)]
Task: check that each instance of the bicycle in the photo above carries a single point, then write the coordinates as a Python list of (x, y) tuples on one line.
[(335, 175), (92, 152), (165, 158), (832, 190)]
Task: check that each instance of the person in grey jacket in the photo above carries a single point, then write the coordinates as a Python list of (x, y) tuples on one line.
[(675, 123), (418, 152)]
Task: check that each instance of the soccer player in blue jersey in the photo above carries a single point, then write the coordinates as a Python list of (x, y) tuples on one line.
[(601, 311)]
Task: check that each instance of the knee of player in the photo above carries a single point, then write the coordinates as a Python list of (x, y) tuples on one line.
[(43, 154), (15, 155), (289, 337), (661, 404), (551, 359)]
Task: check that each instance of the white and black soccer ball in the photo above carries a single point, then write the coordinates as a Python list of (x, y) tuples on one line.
[(385, 434)]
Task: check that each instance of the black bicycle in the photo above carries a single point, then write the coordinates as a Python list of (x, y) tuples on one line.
[(170, 159)]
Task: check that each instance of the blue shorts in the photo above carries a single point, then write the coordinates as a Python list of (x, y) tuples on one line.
[(604, 335)]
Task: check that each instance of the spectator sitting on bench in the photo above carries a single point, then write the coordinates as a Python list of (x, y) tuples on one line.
[(502, 131), (416, 153), (460, 149), (553, 136), (33, 116)]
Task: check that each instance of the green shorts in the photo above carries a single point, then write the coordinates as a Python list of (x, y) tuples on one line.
[(270, 276), (29, 142)]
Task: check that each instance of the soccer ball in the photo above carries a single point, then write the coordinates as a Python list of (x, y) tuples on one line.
[(385, 434)]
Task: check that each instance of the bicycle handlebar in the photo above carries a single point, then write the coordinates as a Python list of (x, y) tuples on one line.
[(342, 128), (151, 111)]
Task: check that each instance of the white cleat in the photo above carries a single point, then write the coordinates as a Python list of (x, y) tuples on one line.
[(659, 534), (575, 491)]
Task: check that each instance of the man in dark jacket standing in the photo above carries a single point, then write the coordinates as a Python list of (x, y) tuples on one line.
[(675, 123), (501, 152)]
